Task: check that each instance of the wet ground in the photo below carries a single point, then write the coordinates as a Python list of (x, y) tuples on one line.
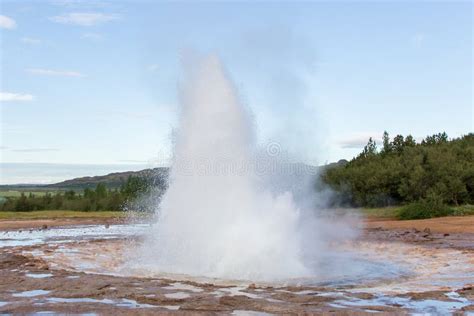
[(80, 269)]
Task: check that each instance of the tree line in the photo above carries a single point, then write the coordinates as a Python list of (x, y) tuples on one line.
[(435, 171), (427, 177), (99, 199)]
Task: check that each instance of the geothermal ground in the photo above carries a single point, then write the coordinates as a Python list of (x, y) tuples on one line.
[(410, 267)]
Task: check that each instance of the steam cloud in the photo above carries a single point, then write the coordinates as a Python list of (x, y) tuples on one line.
[(228, 222)]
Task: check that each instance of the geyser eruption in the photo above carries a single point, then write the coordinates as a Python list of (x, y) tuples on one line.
[(216, 220)]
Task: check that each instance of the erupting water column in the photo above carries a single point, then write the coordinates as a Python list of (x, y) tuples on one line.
[(215, 220)]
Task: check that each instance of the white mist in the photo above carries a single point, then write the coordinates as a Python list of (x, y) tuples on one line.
[(216, 220)]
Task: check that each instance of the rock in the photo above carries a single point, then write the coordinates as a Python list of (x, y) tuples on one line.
[(235, 301), (427, 230), (363, 295), (44, 227), (252, 286), (446, 235), (42, 266)]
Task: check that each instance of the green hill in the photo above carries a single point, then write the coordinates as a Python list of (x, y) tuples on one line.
[(111, 180)]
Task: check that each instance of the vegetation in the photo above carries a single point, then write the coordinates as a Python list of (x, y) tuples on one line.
[(54, 214), (400, 212), (425, 209), (99, 199), (403, 179), (427, 177), (17, 193), (115, 180), (387, 212)]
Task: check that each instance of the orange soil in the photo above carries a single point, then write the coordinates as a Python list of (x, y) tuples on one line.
[(39, 223), (454, 224)]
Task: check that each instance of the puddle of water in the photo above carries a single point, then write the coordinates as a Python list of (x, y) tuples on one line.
[(237, 290), (133, 304), (239, 312), (274, 300), (430, 306), (305, 292), (171, 307), (69, 234), (456, 297), (336, 305), (31, 293), (330, 294), (177, 295), (79, 300), (120, 303), (39, 275), (217, 293), (182, 286), (3, 303)]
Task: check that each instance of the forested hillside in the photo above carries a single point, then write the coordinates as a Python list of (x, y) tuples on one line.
[(137, 193), (436, 171)]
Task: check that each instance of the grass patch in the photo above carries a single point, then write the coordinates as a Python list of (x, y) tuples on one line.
[(382, 212), (424, 209), (417, 211), (58, 214), (464, 210), (16, 193)]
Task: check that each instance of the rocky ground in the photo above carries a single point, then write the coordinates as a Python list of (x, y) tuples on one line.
[(50, 277), (8, 225)]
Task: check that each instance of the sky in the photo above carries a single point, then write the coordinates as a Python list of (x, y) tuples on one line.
[(95, 83)]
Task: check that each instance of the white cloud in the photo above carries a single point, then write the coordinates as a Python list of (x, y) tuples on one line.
[(66, 2), (358, 140), (153, 67), (34, 150), (84, 18), (133, 161), (92, 36), (79, 3), (7, 23), (12, 97), (29, 40), (50, 72), (418, 39)]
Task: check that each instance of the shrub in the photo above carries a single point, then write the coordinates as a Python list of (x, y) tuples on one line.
[(404, 172), (426, 208)]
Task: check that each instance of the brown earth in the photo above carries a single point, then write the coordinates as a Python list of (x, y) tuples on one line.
[(70, 291), (66, 292), (45, 223), (454, 224)]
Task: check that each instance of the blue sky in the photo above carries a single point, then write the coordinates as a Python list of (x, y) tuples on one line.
[(96, 82)]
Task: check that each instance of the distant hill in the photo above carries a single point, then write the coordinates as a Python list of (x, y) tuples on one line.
[(111, 180), (292, 172), (340, 163)]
